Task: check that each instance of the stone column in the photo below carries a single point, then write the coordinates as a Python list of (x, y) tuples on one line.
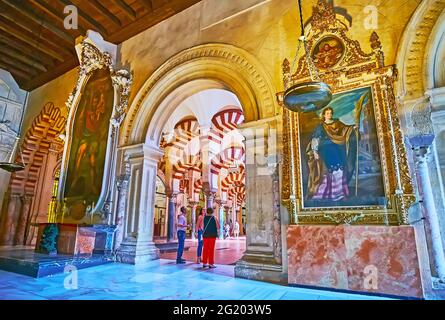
[(138, 246), (421, 154), (262, 259), (220, 213), (122, 186), (193, 206), (10, 216), (226, 213), (171, 217), (24, 221), (234, 205), (210, 197)]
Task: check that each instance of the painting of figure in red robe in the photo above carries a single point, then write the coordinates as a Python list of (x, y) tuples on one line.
[(88, 149), (340, 153)]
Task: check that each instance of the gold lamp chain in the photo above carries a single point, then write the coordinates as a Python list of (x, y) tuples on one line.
[(313, 72)]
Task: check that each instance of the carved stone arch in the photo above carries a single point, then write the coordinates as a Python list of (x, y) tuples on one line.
[(412, 55), (435, 56), (223, 66), (161, 176)]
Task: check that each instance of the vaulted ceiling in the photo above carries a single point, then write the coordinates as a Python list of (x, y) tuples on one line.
[(36, 48)]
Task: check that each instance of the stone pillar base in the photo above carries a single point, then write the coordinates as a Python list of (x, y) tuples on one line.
[(137, 252), (256, 265)]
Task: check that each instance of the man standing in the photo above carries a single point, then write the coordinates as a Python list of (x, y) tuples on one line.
[(181, 226)]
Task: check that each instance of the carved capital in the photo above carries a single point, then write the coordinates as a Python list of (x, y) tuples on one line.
[(421, 154)]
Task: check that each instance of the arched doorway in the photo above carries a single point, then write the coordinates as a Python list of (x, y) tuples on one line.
[(204, 166), (160, 210), (211, 66)]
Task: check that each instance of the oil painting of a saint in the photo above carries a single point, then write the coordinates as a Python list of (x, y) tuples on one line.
[(331, 158), (328, 52), (340, 154), (89, 140)]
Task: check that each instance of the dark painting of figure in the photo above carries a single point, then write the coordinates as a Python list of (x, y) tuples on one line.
[(340, 154), (328, 52), (89, 140)]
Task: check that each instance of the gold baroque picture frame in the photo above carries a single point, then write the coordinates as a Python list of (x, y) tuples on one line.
[(355, 70), (94, 60)]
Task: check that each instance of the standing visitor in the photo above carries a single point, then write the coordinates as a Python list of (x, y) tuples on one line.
[(236, 229), (211, 232), (181, 226), (199, 233)]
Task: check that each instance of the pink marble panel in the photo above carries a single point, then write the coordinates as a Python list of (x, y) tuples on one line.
[(85, 241), (317, 256), (389, 253), (343, 257), (66, 241)]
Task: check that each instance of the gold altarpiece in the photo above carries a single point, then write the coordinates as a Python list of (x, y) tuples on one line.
[(97, 68), (347, 68)]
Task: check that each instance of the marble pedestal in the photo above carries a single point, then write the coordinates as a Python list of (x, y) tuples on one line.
[(371, 259), (75, 239)]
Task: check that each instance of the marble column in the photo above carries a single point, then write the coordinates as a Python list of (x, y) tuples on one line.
[(220, 213), (24, 221), (9, 219), (193, 206), (122, 186), (138, 246), (172, 198), (421, 154), (226, 213), (209, 200), (234, 217)]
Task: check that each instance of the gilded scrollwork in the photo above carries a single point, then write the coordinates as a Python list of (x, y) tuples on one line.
[(91, 59), (122, 80)]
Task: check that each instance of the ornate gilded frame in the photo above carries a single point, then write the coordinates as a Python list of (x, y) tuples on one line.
[(92, 56), (356, 69)]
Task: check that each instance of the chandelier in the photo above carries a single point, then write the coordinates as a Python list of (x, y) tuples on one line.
[(311, 95), (11, 166)]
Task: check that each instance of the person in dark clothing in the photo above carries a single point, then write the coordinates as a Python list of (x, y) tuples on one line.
[(211, 232)]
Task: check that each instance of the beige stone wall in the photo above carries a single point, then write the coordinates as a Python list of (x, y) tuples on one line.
[(56, 91), (266, 28)]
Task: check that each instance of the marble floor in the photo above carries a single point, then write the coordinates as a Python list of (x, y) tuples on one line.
[(227, 252), (161, 279)]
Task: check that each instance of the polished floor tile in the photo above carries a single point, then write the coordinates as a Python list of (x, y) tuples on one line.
[(161, 279)]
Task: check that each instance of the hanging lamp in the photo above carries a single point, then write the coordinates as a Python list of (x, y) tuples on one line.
[(307, 96), (12, 166)]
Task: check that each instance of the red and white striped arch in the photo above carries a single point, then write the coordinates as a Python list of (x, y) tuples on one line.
[(224, 122), (184, 152), (226, 158), (238, 192), (234, 179)]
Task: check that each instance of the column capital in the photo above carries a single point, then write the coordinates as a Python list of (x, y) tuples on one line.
[(421, 154), (148, 151), (193, 204), (219, 202), (171, 195), (436, 97), (421, 140)]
